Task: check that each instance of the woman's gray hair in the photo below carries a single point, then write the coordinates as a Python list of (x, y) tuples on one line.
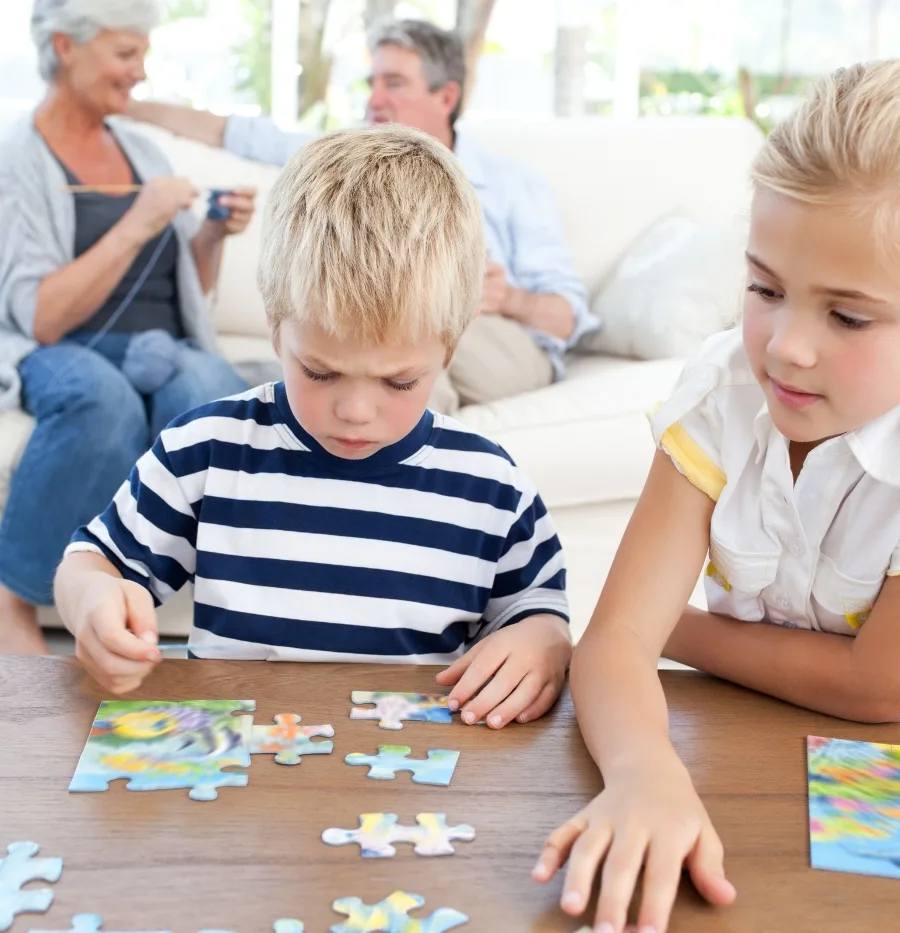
[(442, 51), (82, 20)]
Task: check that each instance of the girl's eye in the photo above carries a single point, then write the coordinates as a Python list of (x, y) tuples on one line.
[(851, 323), (317, 377), (767, 294), (403, 386)]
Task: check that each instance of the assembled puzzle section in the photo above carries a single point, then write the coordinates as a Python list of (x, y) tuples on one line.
[(288, 741), (437, 768), (161, 745), (378, 831), (854, 806), (392, 916), (18, 868), (393, 709)]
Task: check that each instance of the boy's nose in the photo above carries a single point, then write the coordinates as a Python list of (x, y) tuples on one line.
[(355, 408)]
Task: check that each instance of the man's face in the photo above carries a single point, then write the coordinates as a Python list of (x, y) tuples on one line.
[(400, 93)]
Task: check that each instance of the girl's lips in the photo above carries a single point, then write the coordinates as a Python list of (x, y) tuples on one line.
[(792, 398)]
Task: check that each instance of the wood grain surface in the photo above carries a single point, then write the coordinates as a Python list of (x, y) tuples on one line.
[(158, 860)]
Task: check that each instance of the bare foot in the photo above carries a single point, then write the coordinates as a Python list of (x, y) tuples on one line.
[(19, 629)]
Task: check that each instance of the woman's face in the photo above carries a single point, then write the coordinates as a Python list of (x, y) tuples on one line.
[(103, 72)]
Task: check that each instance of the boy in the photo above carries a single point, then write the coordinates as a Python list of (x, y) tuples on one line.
[(332, 516)]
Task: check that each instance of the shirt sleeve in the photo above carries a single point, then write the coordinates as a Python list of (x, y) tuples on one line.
[(27, 256), (149, 531), (530, 577), (541, 262), (688, 427), (259, 139)]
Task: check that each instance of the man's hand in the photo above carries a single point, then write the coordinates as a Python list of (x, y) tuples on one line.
[(516, 672), (496, 290)]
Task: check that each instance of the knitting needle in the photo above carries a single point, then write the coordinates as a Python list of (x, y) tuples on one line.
[(102, 189), (107, 189)]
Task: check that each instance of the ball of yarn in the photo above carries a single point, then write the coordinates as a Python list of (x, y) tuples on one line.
[(151, 360)]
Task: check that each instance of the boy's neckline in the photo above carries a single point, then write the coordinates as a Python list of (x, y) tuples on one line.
[(382, 461)]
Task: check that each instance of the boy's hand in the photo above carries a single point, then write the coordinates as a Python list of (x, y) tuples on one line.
[(516, 672), (649, 816), (116, 633)]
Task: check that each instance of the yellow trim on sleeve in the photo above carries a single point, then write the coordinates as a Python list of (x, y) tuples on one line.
[(715, 574), (893, 573), (693, 461)]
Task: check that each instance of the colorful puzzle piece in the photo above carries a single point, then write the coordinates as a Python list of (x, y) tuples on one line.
[(160, 745), (18, 868), (392, 916), (391, 709), (438, 768), (377, 832), (288, 740), (91, 923)]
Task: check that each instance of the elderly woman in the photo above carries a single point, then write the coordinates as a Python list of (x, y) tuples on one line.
[(104, 333)]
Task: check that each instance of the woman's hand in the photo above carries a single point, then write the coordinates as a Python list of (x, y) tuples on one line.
[(160, 200), (241, 202)]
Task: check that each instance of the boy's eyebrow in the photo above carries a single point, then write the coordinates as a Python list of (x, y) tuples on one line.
[(821, 289), (408, 371)]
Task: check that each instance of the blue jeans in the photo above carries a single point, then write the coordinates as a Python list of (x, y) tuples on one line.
[(92, 426)]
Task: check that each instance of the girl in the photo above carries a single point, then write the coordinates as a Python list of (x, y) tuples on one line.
[(779, 456)]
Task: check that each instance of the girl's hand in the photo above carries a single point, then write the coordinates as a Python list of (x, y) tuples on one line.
[(648, 815)]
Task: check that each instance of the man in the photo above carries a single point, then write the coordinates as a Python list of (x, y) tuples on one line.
[(533, 306)]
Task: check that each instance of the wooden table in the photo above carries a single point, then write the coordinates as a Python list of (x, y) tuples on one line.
[(164, 862)]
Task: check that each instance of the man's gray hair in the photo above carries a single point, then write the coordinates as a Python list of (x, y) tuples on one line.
[(442, 51), (82, 20)]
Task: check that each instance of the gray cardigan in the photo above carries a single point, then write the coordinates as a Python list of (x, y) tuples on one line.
[(37, 235)]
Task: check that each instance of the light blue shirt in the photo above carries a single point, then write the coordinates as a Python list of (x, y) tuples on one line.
[(523, 229)]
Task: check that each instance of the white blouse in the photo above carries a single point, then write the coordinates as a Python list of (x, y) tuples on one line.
[(812, 554)]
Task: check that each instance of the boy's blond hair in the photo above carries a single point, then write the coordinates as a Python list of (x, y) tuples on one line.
[(842, 146), (374, 234)]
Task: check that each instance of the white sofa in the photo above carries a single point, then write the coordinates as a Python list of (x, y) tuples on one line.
[(585, 441)]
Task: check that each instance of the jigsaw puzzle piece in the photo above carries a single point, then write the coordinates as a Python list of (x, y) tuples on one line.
[(391, 709), (375, 834), (433, 836), (437, 768), (378, 831), (18, 868), (161, 745), (87, 923), (280, 926), (288, 740), (392, 916)]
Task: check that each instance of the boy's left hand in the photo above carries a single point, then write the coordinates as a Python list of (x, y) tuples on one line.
[(516, 672)]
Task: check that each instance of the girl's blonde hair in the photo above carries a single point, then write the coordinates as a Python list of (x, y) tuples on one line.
[(375, 234), (842, 146)]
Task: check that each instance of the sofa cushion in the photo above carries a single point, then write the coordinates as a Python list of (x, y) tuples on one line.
[(15, 429), (585, 440), (679, 284)]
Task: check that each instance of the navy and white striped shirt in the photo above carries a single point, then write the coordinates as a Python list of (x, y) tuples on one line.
[(411, 554)]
